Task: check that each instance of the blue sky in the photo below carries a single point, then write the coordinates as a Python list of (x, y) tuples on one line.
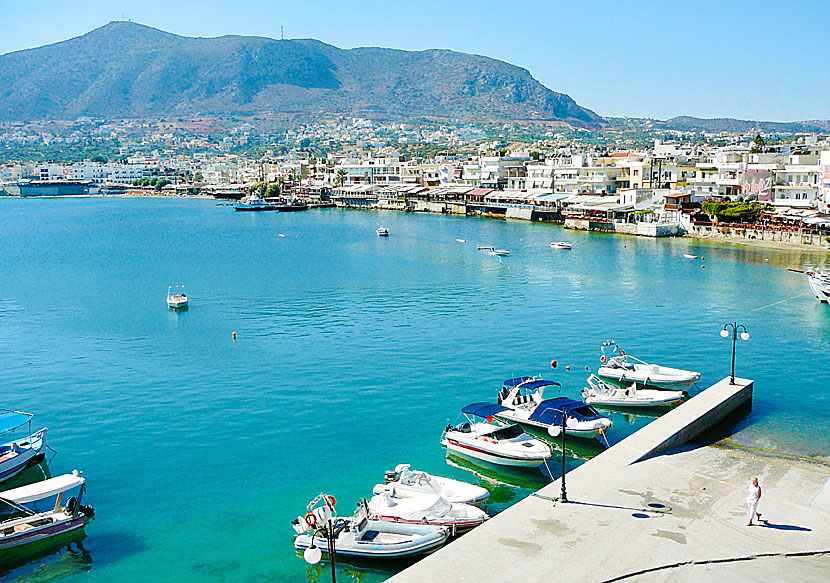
[(745, 59)]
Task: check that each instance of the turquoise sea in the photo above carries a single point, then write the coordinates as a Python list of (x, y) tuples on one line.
[(352, 354)]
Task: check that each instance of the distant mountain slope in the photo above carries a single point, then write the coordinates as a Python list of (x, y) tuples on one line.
[(728, 124), (129, 70)]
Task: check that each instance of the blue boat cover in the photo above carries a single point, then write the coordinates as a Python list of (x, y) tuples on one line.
[(517, 381), (531, 385), (548, 411), (483, 409), (13, 419)]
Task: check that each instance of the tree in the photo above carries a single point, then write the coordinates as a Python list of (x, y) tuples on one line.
[(535, 155), (199, 177), (341, 178), (99, 159)]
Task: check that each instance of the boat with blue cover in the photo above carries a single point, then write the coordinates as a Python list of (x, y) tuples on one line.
[(496, 444), (522, 400), (359, 537), (15, 456)]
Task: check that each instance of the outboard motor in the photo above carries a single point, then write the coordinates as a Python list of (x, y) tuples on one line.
[(71, 508), (87, 510)]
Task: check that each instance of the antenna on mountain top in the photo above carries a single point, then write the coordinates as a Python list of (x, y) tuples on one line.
[(282, 36)]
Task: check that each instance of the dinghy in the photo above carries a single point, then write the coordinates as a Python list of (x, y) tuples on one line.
[(625, 368), (504, 446), (360, 537), (499, 252), (15, 456), (406, 482), (689, 256), (601, 393), (522, 400), (425, 509)]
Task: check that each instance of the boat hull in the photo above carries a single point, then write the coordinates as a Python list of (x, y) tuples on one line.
[(678, 380), (27, 451), (820, 290), (632, 403), (423, 540), (590, 433), (22, 539), (497, 458)]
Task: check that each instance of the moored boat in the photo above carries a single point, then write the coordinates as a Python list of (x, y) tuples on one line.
[(689, 256), (405, 482), (603, 394), (359, 537), (17, 455), (176, 298), (624, 368), (522, 400), (819, 285), (425, 509), (383, 232), (496, 444), (499, 252), (254, 203), (23, 526), (560, 245)]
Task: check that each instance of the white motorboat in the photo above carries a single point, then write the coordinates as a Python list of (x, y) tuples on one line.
[(383, 232), (560, 245), (689, 256), (406, 482), (425, 509), (22, 526), (820, 285), (496, 444), (522, 400), (624, 368), (499, 252), (461, 240), (601, 393), (486, 248), (360, 537), (176, 298)]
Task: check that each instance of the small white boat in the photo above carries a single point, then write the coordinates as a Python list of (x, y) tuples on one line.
[(404, 482), (499, 252), (820, 285), (625, 368), (560, 245), (461, 240), (383, 232), (176, 298), (17, 455), (522, 400), (603, 394), (426, 509), (23, 526), (689, 256), (486, 248), (496, 444), (359, 537)]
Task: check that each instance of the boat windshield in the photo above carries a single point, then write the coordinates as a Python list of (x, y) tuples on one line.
[(506, 433)]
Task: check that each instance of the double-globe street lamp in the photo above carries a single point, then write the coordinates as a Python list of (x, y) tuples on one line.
[(736, 328), (555, 431), (322, 525)]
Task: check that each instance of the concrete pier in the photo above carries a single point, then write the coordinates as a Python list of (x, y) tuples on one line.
[(655, 508)]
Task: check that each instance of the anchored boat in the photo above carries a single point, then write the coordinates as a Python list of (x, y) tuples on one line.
[(601, 393), (16, 455), (22, 526), (820, 285), (406, 482), (383, 232), (624, 368), (255, 203), (499, 252), (560, 245), (522, 400), (425, 509), (176, 298), (505, 446), (360, 537)]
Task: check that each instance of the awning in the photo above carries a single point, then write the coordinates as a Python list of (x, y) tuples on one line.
[(44, 489), (483, 409), (13, 419)]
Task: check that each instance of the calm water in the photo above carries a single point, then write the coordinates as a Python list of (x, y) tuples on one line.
[(352, 353)]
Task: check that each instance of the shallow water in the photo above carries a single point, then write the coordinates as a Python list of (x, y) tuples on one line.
[(352, 354)]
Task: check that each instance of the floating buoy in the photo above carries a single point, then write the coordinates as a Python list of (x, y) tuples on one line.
[(703, 267), (310, 519), (568, 367), (553, 363), (702, 258), (586, 367), (234, 335), (330, 500)]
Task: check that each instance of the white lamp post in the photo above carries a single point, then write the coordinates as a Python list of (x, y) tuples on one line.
[(744, 336)]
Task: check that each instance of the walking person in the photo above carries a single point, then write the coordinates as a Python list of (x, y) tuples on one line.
[(753, 495)]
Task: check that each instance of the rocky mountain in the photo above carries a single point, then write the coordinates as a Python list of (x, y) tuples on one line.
[(129, 70)]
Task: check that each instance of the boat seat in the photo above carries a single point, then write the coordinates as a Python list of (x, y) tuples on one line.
[(8, 455), (369, 535), (503, 394), (522, 399)]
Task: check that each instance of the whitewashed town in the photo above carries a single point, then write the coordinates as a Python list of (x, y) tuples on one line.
[(749, 187)]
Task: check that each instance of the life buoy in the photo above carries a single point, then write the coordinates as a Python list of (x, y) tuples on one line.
[(622, 352), (331, 501), (310, 519), (602, 359)]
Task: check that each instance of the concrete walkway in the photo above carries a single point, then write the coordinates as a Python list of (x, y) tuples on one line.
[(676, 515)]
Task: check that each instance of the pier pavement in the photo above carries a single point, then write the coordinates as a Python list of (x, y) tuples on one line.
[(656, 507)]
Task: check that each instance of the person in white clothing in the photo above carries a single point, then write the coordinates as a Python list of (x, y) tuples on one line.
[(753, 495)]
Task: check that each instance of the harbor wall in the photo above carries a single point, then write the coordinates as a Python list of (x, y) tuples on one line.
[(758, 233)]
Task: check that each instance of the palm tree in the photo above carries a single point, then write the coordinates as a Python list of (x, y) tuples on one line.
[(341, 177)]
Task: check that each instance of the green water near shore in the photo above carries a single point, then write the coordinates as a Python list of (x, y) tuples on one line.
[(352, 354)]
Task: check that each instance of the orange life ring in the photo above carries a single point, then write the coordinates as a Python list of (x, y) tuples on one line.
[(331, 501), (602, 359), (310, 519), (622, 352)]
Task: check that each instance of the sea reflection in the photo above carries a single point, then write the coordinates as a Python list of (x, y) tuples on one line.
[(48, 560)]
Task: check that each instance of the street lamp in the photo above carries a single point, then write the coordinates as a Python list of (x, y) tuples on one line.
[(744, 336), (554, 431), (322, 525)]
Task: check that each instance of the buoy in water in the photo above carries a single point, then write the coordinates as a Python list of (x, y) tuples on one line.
[(586, 367), (703, 267), (568, 367), (553, 363), (234, 335)]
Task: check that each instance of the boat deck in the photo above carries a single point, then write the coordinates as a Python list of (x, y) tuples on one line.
[(656, 508)]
